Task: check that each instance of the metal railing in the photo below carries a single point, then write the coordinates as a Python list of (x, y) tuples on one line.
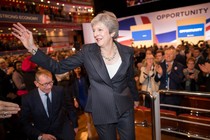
[(152, 113), (156, 118), (183, 93)]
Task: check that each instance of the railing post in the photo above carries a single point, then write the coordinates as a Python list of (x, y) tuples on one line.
[(156, 115)]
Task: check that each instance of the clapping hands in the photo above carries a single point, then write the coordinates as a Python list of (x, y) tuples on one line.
[(205, 67)]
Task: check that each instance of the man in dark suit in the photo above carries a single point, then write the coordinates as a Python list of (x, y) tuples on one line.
[(199, 59), (46, 110), (7, 87), (170, 74)]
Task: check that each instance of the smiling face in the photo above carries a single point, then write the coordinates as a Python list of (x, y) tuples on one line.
[(191, 63), (18, 66), (170, 55), (3, 64), (44, 81), (159, 57), (149, 59), (101, 34)]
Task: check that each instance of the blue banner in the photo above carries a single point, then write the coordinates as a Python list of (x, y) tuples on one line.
[(20, 17), (143, 35), (191, 30)]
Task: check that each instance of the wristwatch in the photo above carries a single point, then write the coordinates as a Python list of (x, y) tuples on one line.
[(40, 137), (33, 51)]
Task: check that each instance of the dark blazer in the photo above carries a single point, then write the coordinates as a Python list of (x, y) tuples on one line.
[(34, 118), (201, 60), (6, 85), (106, 97), (176, 79), (176, 76)]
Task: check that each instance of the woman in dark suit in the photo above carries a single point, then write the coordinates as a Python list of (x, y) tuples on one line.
[(109, 66)]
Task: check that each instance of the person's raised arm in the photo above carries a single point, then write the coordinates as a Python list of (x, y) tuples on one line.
[(25, 37)]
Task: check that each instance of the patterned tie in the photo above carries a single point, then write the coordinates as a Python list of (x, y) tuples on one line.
[(49, 105)]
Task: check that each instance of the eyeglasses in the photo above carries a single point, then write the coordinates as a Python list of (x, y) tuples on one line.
[(47, 84)]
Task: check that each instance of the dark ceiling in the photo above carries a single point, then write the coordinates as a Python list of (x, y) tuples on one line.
[(119, 7)]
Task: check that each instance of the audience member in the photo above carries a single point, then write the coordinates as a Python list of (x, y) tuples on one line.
[(7, 87), (29, 69), (7, 109), (147, 78), (159, 56), (18, 80), (204, 76), (170, 74), (45, 110), (191, 75), (79, 85), (199, 59)]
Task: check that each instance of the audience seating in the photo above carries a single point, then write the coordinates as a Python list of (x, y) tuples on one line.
[(143, 117), (166, 124), (194, 129), (139, 114), (197, 102)]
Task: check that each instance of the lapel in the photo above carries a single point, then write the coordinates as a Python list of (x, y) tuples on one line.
[(38, 102), (53, 100), (174, 66), (2, 73), (125, 57), (98, 63), (100, 67)]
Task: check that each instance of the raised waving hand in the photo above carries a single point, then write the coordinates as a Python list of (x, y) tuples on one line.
[(25, 36)]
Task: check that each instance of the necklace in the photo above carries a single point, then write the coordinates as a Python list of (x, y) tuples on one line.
[(113, 56)]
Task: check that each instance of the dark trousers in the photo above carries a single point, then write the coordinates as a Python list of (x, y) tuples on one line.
[(67, 133), (125, 128)]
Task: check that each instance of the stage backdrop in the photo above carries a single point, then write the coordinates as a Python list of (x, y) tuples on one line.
[(164, 24)]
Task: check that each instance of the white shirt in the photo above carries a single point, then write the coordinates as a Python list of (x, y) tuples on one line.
[(44, 99), (113, 68)]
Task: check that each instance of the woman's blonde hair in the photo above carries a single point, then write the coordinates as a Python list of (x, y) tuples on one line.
[(144, 62), (109, 20)]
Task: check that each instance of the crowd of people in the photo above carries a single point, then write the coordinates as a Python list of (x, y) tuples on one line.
[(189, 70), (150, 72), (12, 44), (184, 67), (55, 14), (19, 76)]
